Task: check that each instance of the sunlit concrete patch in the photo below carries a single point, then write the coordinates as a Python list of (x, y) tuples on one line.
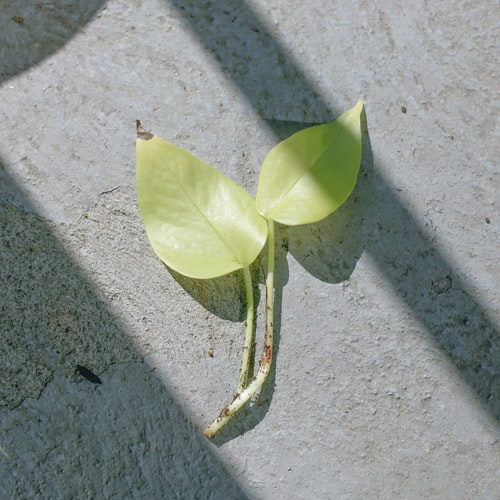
[(387, 350)]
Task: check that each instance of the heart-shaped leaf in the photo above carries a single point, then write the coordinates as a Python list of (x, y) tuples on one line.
[(198, 221), (309, 175)]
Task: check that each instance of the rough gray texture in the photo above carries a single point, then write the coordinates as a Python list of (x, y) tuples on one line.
[(386, 379), (122, 439)]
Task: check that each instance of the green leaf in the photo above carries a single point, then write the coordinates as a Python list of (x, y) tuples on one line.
[(198, 221), (309, 175)]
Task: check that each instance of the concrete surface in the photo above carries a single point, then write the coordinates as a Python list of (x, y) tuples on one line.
[(386, 380)]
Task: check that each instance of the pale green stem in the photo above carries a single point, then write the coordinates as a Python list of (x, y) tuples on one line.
[(246, 371), (241, 398)]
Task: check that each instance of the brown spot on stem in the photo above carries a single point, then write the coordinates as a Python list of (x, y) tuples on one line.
[(224, 413), (141, 133), (267, 354)]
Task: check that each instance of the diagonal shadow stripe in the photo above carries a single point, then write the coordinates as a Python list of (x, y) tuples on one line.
[(273, 82), (66, 438), (32, 30)]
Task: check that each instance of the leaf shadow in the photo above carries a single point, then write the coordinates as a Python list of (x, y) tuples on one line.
[(223, 296), (328, 250), (242, 42), (254, 412)]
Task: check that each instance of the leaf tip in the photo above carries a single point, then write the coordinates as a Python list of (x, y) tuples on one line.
[(141, 133)]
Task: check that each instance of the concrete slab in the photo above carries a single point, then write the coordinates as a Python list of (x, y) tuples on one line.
[(386, 377)]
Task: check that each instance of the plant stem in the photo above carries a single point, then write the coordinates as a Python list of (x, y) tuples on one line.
[(246, 370), (241, 398)]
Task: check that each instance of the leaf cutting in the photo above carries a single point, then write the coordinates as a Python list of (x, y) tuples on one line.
[(202, 224)]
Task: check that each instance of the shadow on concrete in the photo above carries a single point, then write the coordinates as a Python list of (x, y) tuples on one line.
[(250, 415), (374, 219), (223, 296), (48, 292), (33, 30), (128, 434)]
